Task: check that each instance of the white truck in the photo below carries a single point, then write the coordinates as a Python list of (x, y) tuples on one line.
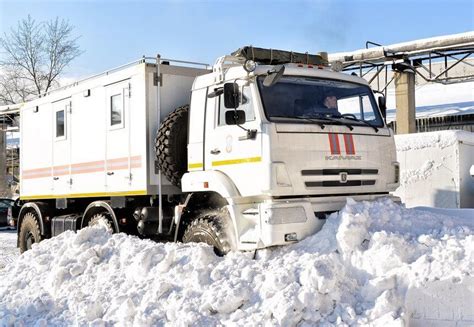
[(242, 157)]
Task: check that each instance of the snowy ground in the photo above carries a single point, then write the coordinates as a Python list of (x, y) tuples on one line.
[(373, 264), (8, 249)]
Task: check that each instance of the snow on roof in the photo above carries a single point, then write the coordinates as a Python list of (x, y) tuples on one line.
[(437, 100), (441, 110), (358, 270)]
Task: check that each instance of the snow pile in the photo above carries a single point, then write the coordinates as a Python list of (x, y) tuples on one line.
[(357, 270), (8, 250)]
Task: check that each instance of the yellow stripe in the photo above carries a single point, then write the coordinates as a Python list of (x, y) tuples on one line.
[(236, 161), (82, 195), (195, 165)]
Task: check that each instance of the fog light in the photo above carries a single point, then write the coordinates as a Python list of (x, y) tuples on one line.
[(291, 237), (250, 65)]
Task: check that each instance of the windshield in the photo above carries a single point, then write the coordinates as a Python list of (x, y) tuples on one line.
[(308, 97)]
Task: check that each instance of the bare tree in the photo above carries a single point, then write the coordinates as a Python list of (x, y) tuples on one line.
[(34, 56)]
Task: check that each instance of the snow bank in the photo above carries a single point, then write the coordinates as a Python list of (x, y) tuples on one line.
[(369, 264), (434, 169), (8, 250)]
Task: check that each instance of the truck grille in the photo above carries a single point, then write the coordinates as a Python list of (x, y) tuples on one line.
[(336, 172), (351, 171), (338, 183)]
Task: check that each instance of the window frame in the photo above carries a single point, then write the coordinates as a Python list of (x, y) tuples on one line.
[(290, 120), (64, 136), (122, 111)]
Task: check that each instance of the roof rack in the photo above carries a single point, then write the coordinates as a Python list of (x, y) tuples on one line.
[(279, 57)]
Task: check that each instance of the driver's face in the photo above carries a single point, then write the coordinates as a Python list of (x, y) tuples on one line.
[(331, 101)]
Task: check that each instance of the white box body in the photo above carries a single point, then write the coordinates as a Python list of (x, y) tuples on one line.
[(96, 154)]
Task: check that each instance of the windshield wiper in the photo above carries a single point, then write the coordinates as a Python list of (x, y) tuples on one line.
[(305, 118), (361, 121), (331, 118)]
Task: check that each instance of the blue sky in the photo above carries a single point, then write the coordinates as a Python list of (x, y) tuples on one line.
[(116, 32)]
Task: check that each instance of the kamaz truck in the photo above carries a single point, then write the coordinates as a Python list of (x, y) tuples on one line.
[(242, 155)]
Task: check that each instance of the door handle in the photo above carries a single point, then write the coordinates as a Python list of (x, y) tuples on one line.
[(55, 178), (110, 173), (215, 151)]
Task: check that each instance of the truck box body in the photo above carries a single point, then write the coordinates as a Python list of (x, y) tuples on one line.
[(96, 137)]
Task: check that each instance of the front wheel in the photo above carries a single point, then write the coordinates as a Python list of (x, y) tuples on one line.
[(212, 228), (30, 232)]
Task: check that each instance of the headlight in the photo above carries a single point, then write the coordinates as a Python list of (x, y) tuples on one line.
[(280, 175), (250, 65)]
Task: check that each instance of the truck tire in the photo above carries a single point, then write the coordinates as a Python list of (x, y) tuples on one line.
[(102, 219), (211, 229), (171, 145), (30, 232)]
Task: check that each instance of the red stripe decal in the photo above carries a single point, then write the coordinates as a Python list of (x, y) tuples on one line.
[(334, 143), (338, 148), (353, 145), (330, 144), (349, 144)]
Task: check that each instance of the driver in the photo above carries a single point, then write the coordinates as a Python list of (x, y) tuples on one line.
[(330, 101)]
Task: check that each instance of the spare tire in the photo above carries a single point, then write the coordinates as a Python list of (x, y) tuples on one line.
[(171, 145)]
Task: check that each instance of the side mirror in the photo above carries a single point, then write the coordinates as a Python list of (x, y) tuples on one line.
[(235, 117), (231, 96), (383, 106), (274, 76)]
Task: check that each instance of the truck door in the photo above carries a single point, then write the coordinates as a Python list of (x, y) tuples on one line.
[(118, 165), (227, 148), (61, 147)]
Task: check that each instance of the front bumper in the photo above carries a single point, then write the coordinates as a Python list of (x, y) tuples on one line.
[(285, 221)]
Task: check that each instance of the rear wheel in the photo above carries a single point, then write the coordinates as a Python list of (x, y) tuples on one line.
[(102, 219), (30, 232), (213, 229)]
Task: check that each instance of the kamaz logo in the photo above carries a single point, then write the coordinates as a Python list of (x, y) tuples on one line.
[(343, 177), (343, 158), (335, 147)]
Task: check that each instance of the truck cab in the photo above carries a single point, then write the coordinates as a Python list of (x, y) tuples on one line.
[(279, 155)]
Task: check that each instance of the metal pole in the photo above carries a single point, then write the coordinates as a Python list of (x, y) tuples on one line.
[(158, 112)]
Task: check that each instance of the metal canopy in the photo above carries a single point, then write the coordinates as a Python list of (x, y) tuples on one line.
[(417, 56)]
